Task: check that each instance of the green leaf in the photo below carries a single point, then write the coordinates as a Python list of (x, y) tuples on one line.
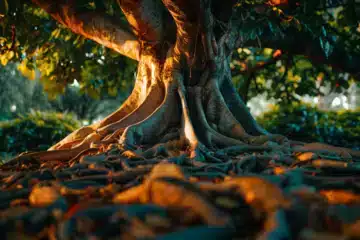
[(326, 47), (323, 30), (271, 27)]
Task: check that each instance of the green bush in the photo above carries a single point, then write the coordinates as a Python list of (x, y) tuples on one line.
[(306, 123), (36, 131)]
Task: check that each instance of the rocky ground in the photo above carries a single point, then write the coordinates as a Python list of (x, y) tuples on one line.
[(237, 195)]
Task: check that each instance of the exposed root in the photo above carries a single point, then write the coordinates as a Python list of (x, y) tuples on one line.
[(75, 137), (54, 155), (214, 138), (211, 147), (152, 102), (219, 114), (188, 130), (145, 85), (168, 149), (344, 152), (144, 131), (172, 135), (209, 134), (114, 135), (166, 186), (83, 153), (131, 103), (238, 108), (66, 145), (231, 126)]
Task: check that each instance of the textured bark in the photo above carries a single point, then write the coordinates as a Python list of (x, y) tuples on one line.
[(183, 96)]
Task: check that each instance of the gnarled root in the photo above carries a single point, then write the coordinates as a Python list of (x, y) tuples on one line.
[(145, 131), (166, 186)]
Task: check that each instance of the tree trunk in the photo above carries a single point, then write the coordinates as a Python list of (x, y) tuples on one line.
[(172, 100)]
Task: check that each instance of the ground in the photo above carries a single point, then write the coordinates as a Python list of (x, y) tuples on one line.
[(245, 193)]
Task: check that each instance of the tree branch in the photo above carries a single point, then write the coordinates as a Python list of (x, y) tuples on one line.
[(98, 27), (302, 43), (261, 65)]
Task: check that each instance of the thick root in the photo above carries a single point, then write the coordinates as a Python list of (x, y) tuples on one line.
[(152, 102), (144, 131), (344, 152), (141, 92), (213, 137), (239, 109), (169, 179), (75, 137)]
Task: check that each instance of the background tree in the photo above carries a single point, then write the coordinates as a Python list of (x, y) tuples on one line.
[(286, 74), (285, 78), (183, 84), (19, 96), (14, 90)]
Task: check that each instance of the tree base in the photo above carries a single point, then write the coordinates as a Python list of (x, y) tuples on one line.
[(199, 122), (205, 123)]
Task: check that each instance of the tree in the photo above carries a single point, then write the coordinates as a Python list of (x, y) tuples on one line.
[(13, 88), (18, 95), (183, 90)]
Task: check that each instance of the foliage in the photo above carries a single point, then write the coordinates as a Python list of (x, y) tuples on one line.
[(35, 131), (38, 42), (31, 37), (17, 92), (332, 26), (306, 123), (286, 78)]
